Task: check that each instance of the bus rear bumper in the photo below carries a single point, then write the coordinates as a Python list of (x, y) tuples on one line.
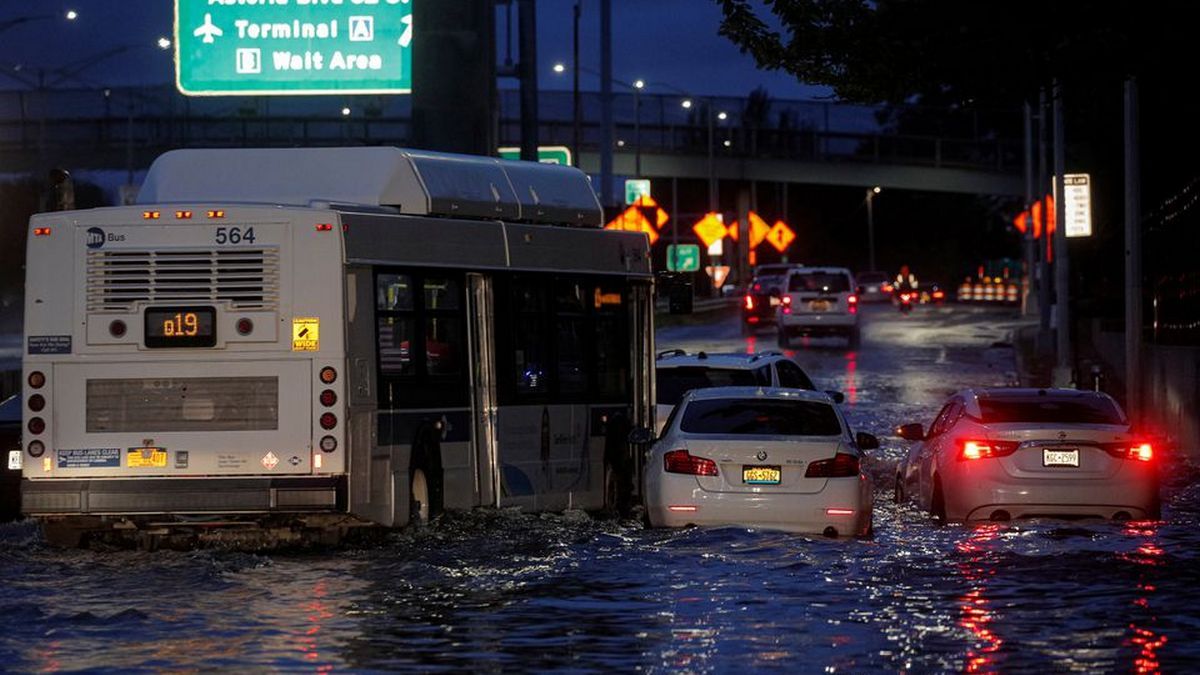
[(183, 496)]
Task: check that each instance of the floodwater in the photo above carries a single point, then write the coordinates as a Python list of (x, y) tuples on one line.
[(509, 591)]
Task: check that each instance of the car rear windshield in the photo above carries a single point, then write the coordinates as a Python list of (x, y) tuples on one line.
[(872, 278), (819, 282), (772, 270), (1049, 411), (767, 284), (673, 383), (760, 417)]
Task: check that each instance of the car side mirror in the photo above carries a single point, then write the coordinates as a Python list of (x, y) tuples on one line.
[(866, 441), (641, 436), (837, 396), (911, 432)]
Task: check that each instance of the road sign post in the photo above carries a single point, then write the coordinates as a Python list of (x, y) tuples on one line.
[(227, 48)]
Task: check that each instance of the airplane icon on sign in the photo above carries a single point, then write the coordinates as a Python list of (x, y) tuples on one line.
[(209, 30)]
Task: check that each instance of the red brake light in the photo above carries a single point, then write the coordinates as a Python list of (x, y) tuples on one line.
[(325, 227), (41, 232), (328, 375), (328, 398), (841, 466), (328, 421), (787, 299), (37, 380), (1139, 450), (749, 301), (853, 299), (680, 461), (972, 449), (36, 425)]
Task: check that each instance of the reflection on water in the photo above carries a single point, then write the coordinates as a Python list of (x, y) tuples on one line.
[(977, 616)]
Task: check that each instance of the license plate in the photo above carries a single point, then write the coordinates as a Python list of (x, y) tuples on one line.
[(14, 460), (152, 458), (760, 475), (1060, 457), (819, 305)]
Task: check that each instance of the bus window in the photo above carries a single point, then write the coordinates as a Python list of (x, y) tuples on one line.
[(612, 341), (569, 335), (421, 332), (530, 348)]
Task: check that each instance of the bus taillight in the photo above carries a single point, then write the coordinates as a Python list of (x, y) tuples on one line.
[(36, 425), (245, 326), (328, 443), (36, 448), (328, 421), (328, 375), (37, 402), (328, 398), (36, 379)]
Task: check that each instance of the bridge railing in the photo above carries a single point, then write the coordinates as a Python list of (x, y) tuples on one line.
[(53, 123)]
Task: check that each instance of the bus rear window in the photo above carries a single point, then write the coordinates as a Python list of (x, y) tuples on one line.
[(760, 417), (673, 383), (1048, 410)]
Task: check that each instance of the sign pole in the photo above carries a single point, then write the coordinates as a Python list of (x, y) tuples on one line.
[(1062, 269), (1133, 253)]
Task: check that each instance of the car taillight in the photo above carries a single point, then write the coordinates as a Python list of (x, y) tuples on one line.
[(749, 302), (853, 299), (1141, 451), (970, 449), (680, 461), (905, 297), (787, 299), (841, 466)]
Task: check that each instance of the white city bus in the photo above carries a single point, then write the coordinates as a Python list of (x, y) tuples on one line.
[(273, 335)]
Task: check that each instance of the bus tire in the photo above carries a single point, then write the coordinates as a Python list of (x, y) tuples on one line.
[(418, 497), (425, 478), (618, 467)]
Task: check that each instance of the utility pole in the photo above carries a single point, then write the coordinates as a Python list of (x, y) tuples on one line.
[(1044, 300), (527, 35), (1062, 266), (577, 108), (871, 192), (1133, 253), (1027, 302), (606, 103)]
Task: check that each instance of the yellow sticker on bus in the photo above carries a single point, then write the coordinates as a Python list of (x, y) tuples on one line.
[(306, 334), (155, 458)]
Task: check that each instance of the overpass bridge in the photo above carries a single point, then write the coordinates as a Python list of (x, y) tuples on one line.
[(803, 142)]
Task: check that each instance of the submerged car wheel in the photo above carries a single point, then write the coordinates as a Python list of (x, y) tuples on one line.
[(937, 504), (899, 491)]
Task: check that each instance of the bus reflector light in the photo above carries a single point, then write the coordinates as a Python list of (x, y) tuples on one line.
[(37, 402), (183, 215), (216, 213), (36, 425), (839, 512), (41, 232), (36, 448), (151, 215), (328, 398), (328, 444), (328, 375), (47, 464), (117, 328), (36, 379), (328, 421), (317, 461), (682, 508), (324, 227), (245, 326)]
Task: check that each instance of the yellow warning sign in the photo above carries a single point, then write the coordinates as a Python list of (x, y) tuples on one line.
[(306, 334)]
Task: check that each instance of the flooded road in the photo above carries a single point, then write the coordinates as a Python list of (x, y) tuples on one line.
[(510, 591)]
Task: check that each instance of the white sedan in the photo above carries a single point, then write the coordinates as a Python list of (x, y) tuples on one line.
[(998, 454), (781, 459)]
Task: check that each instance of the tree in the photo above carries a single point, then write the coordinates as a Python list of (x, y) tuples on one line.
[(987, 52)]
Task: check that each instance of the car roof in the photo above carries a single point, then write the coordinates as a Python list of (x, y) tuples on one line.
[(719, 360), (972, 396), (776, 393), (821, 270)]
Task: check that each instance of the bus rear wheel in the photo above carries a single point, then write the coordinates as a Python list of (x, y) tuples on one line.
[(418, 497)]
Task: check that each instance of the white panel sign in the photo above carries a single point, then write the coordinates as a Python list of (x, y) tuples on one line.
[(1077, 204)]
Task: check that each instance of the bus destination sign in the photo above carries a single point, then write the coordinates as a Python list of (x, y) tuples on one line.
[(253, 47)]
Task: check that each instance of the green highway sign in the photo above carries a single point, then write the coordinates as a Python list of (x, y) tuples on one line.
[(253, 47), (636, 187), (547, 154), (683, 258)]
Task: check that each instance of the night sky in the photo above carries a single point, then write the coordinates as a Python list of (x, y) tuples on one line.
[(694, 58)]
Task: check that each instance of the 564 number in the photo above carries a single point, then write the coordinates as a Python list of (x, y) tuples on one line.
[(234, 235)]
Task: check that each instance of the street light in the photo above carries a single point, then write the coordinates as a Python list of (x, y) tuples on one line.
[(871, 192), (637, 86), (69, 15), (559, 68), (164, 43)]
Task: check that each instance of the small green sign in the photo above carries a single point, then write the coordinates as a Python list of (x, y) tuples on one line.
[(547, 154), (683, 258), (252, 47), (636, 187)]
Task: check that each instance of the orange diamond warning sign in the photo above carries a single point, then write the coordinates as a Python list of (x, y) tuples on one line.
[(781, 236), (710, 229)]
